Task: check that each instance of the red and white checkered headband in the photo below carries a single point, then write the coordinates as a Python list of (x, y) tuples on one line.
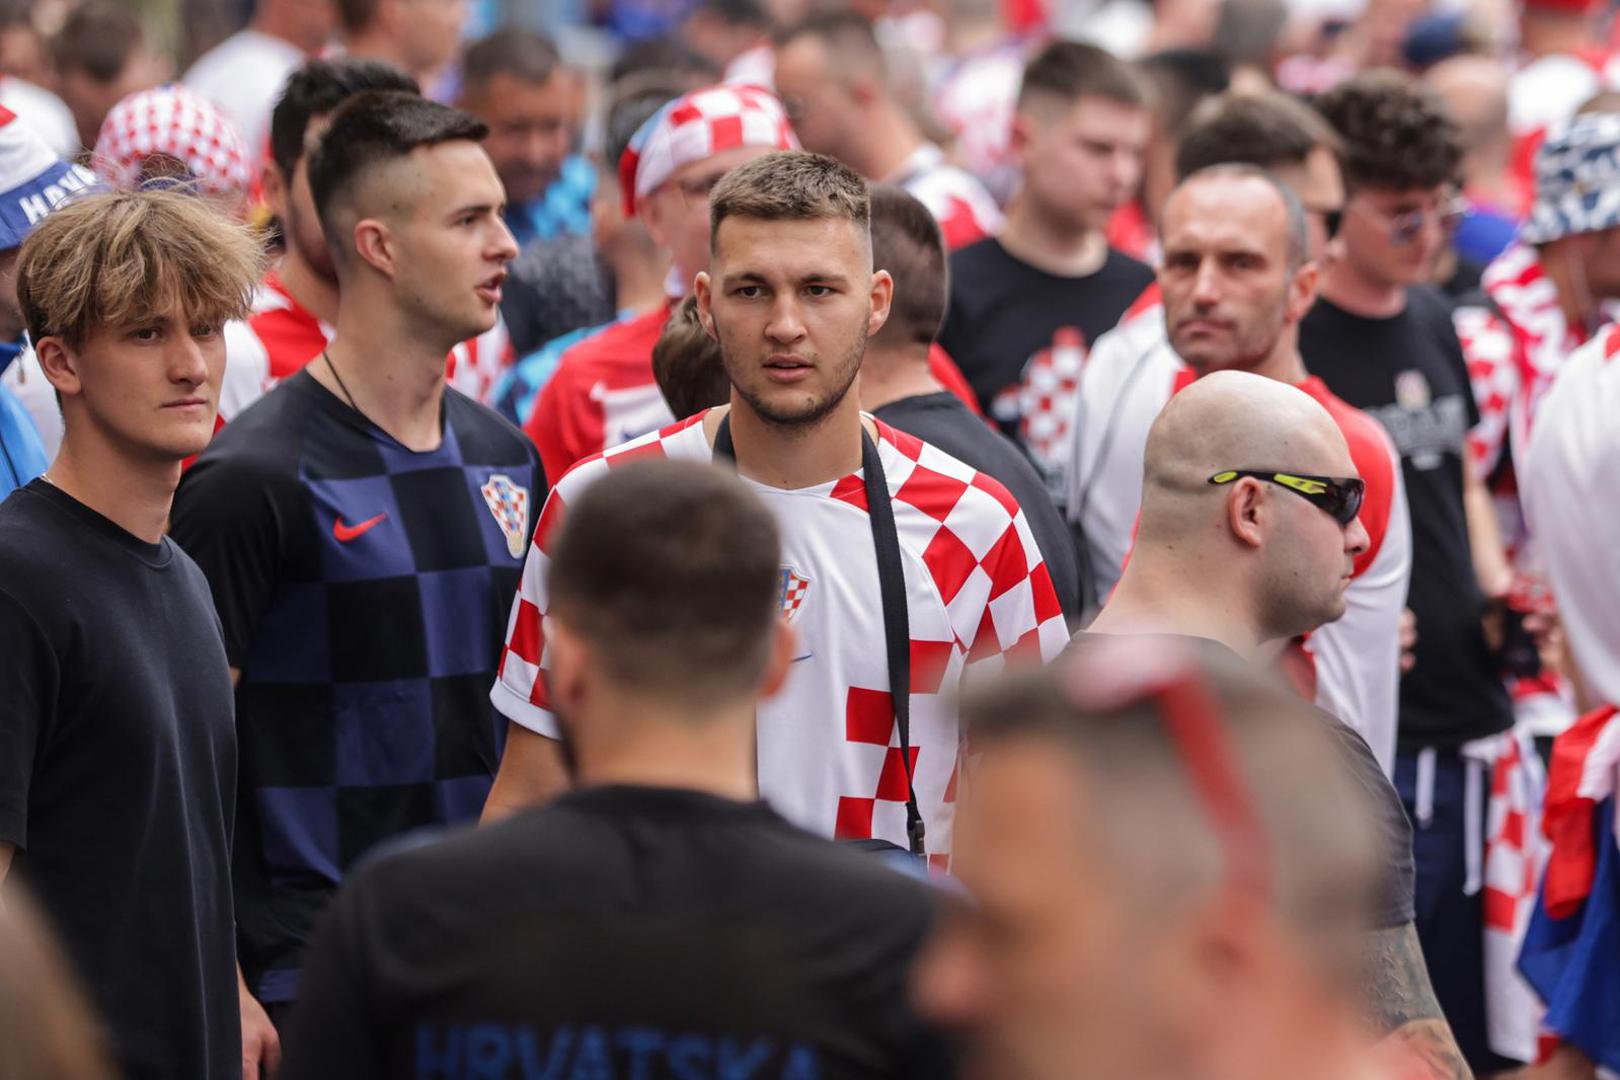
[(698, 126), (171, 122)]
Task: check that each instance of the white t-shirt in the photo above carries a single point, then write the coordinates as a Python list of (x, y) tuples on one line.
[(43, 111), (243, 76), (977, 594), (1568, 496), (1128, 378)]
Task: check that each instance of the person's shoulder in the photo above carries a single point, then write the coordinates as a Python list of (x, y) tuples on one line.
[(1129, 268), (684, 440), (981, 255), (972, 504), (485, 435), (23, 515)]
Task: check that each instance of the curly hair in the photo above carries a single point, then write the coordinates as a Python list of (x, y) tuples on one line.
[(1396, 131)]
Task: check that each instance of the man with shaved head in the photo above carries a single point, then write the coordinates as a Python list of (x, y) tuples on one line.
[(1239, 273), (1249, 535)]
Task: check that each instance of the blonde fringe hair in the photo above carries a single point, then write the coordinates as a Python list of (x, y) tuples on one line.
[(117, 260)]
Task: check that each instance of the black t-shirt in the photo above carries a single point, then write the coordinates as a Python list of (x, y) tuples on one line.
[(556, 285), (619, 931), (364, 590), (1005, 313), (1396, 905), (942, 420), (1408, 372), (118, 776)]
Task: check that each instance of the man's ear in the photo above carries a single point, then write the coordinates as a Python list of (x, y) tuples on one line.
[(882, 299), (60, 363), (700, 289), (568, 672), (784, 643), (1302, 291), (1246, 511), (275, 190), (375, 245)]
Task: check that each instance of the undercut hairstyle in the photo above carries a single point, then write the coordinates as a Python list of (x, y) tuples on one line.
[(671, 572), (1397, 133), (1269, 129), (850, 40), (687, 365), (98, 38), (1182, 79), (526, 55), (1296, 237), (1155, 832), (313, 91), (118, 259), (660, 61), (906, 242), (791, 185), (356, 16), (1066, 71), (370, 130)]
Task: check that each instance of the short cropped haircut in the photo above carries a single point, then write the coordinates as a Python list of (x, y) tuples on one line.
[(687, 365), (356, 15), (848, 36), (1182, 79), (1397, 133), (1296, 237), (1066, 71), (116, 259), (660, 61), (625, 116), (316, 89), (907, 243), (743, 14), (1152, 828), (790, 185), (526, 55), (1270, 129), (370, 130), (98, 38), (671, 572)]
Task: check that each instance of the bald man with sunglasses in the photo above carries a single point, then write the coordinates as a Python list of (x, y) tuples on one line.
[(1248, 537)]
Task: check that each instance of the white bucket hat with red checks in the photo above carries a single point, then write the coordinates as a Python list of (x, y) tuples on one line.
[(171, 122), (696, 126)]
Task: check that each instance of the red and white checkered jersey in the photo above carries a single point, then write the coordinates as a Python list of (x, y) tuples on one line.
[(281, 336), (978, 595), (1129, 377), (976, 100), (964, 209), (1568, 494)]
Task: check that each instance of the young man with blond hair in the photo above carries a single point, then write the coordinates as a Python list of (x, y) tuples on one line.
[(117, 741)]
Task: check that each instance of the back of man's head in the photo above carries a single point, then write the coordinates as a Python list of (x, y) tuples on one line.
[(906, 242), (1396, 131), (357, 16), (687, 365), (1271, 130), (1066, 71), (670, 574), (849, 40), (1182, 79), (98, 40), (526, 55), (314, 91), (369, 134)]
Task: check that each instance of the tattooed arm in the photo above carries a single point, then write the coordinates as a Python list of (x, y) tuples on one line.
[(1402, 1007)]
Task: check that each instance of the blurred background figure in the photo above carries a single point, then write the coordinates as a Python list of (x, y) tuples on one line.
[(102, 54), (420, 37), (47, 1031), (170, 135), (1170, 874), (734, 36)]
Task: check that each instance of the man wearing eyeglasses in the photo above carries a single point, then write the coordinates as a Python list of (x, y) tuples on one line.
[(1383, 340)]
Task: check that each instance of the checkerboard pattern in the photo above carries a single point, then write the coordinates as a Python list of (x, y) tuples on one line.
[(173, 122), (697, 126), (363, 710), (977, 591)]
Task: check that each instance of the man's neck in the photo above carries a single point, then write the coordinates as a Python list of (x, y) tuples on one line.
[(1148, 602), (638, 282), (1049, 244), (312, 292), (133, 493), (1565, 270), (889, 142), (1346, 287), (387, 370), (892, 373), (793, 456), (652, 745)]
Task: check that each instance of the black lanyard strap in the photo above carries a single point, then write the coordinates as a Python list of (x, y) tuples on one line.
[(892, 587)]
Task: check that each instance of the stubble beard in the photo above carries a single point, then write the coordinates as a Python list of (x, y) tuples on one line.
[(808, 416)]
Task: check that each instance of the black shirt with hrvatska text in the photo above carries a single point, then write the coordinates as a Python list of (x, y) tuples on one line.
[(618, 932), (1408, 373), (942, 420), (118, 777)]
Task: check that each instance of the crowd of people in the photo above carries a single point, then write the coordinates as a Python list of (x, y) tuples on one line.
[(1028, 539)]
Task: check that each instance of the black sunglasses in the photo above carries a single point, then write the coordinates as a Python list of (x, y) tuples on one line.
[(1340, 499)]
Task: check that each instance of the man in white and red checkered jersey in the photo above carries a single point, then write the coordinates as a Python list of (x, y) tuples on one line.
[(1239, 272), (791, 296), (295, 307)]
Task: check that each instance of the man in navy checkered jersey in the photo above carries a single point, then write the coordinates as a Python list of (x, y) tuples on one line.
[(363, 528)]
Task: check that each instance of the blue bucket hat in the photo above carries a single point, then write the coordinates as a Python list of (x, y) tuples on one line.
[(1577, 180), (33, 180)]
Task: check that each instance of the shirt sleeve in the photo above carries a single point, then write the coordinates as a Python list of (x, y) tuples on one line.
[(231, 527), (1488, 349), (1021, 619), (552, 425), (30, 674), (520, 693), (1396, 904)]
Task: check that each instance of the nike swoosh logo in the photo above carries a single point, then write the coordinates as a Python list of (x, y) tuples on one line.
[(345, 533)]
